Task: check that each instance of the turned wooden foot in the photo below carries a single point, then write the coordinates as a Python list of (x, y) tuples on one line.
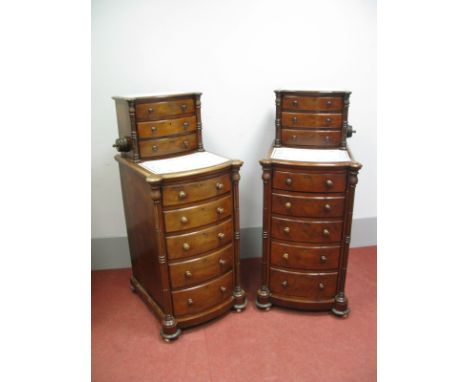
[(169, 330), (341, 306), (240, 299), (263, 299)]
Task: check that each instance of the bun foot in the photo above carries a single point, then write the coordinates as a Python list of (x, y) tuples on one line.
[(240, 300), (169, 331), (341, 306), (263, 299)]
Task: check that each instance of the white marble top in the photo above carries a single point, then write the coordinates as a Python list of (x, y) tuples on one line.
[(187, 162), (310, 155), (157, 94)]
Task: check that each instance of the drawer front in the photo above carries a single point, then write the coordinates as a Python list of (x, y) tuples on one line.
[(195, 271), (305, 257), (309, 182), (316, 286), (161, 110), (329, 120), (195, 243), (316, 138), (196, 191), (199, 215), (166, 127), (291, 102), (166, 146), (202, 297), (306, 231), (308, 206)]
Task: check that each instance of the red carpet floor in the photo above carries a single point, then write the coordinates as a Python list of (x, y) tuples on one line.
[(279, 345)]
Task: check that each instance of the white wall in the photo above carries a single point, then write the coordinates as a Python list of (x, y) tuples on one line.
[(236, 53)]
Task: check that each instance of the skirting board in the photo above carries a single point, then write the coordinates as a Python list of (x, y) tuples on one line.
[(111, 253)]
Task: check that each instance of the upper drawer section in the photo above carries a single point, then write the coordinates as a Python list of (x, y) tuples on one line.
[(309, 182), (156, 129), (291, 102), (161, 110), (308, 206), (193, 192), (150, 148), (322, 120)]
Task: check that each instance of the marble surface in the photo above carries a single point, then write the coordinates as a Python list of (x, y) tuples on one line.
[(187, 162), (310, 155)]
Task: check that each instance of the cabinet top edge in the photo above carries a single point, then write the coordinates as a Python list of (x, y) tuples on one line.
[(313, 92), (149, 96)]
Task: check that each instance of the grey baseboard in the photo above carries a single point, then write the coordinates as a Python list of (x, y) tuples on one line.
[(113, 252)]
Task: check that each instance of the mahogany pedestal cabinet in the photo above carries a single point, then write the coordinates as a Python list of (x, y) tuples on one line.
[(309, 179), (182, 212)]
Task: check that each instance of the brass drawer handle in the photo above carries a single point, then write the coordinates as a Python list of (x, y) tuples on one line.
[(295, 102), (287, 205), (219, 186), (221, 236), (183, 220), (321, 286), (186, 125), (154, 148), (150, 110), (183, 106), (189, 302), (182, 195), (186, 144), (294, 119), (186, 246), (285, 283), (188, 274), (288, 181), (222, 289), (222, 262), (220, 210), (285, 256), (329, 183), (153, 129), (328, 120), (323, 259), (326, 232), (327, 207), (286, 229)]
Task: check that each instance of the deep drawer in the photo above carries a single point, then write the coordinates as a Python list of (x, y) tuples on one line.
[(195, 271), (308, 206), (315, 138), (194, 243), (196, 191), (291, 102), (312, 120), (199, 215), (309, 182), (202, 297), (315, 286), (165, 146), (305, 256), (306, 231), (166, 127), (160, 110)]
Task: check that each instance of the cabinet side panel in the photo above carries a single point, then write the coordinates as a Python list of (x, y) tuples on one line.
[(139, 216), (124, 124)]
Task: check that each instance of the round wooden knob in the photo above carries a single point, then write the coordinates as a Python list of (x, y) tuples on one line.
[(183, 106), (189, 302), (329, 103), (328, 120), (326, 232), (150, 110), (286, 229), (154, 148), (327, 139), (295, 102), (294, 119), (186, 124), (323, 259), (222, 289), (188, 274), (222, 262), (285, 256), (186, 246), (219, 186), (221, 236), (285, 283), (183, 220), (186, 144), (153, 129), (288, 181), (321, 286), (294, 137), (329, 183), (287, 205), (327, 207), (182, 195), (220, 210)]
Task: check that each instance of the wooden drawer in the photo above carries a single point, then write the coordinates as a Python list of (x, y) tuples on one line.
[(199, 215), (316, 286), (166, 146), (202, 297), (306, 231), (309, 182), (291, 102), (195, 243), (196, 191), (323, 120), (305, 205), (316, 138), (166, 127), (161, 110), (195, 271), (305, 257)]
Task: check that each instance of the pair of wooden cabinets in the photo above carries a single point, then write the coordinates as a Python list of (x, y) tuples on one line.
[(182, 208)]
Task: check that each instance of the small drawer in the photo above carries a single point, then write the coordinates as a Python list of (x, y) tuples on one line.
[(331, 121), (305, 257), (306, 231), (195, 243), (308, 206), (165, 146), (196, 191), (291, 102), (191, 272), (315, 138), (309, 182), (199, 215), (156, 129), (201, 297), (161, 110), (315, 286)]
